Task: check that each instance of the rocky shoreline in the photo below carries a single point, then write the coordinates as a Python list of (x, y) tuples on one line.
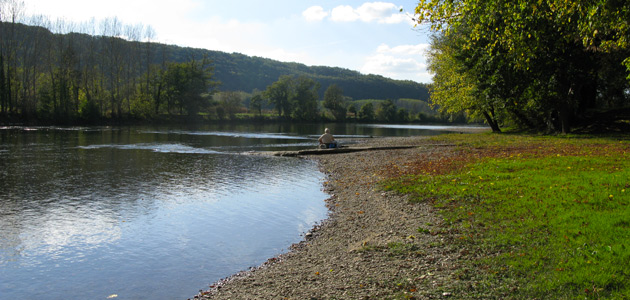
[(375, 244)]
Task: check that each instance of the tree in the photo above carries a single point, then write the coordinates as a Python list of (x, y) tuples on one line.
[(602, 25), (455, 85), (256, 103), (304, 99), (334, 101), (352, 109), (230, 102), (279, 93), (529, 62), (366, 112), (188, 85), (386, 111), (402, 115), (294, 97)]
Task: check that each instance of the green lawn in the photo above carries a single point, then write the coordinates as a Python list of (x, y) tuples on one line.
[(548, 217)]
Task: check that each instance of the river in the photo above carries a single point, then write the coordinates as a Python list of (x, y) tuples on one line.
[(154, 212)]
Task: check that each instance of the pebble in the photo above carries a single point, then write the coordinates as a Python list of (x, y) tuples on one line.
[(374, 273)]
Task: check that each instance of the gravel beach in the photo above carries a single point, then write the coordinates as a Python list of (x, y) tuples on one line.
[(370, 247)]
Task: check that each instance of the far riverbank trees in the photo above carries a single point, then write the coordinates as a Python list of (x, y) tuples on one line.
[(105, 71)]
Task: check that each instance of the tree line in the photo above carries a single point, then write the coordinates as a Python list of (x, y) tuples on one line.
[(245, 73), (50, 73), (54, 71), (549, 65), (296, 98)]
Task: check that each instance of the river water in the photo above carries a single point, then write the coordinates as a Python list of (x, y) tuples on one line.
[(153, 212)]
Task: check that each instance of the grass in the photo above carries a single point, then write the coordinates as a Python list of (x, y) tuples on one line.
[(549, 215), (394, 249)]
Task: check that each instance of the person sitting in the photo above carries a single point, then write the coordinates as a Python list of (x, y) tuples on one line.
[(327, 140)]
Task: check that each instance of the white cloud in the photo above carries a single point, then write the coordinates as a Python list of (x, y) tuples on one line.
[(398, 18), (399, 62), (380, 12), (344, 13), (245, 37), (217, 33), (315, 13), (376, 11), (418, 49)]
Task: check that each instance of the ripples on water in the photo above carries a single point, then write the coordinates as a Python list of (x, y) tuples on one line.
[(143, 215), (140, 213)]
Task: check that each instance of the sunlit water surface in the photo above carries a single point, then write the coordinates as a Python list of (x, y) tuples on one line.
[(146, 213)]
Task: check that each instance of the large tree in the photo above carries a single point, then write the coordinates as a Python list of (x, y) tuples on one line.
[(294, 97), (334, 101), (187, 86), (530, 62), (386, 111), (453, 89), (304, 99), (279, 93), (366, 112)]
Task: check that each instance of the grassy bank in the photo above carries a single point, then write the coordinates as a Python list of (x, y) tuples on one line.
[(538, 217)]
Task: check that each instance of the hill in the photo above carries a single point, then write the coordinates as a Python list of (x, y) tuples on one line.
[(238, 72), (54, 76)]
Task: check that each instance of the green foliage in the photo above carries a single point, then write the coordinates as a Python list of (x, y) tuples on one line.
[(294, 97), (366, 112), (184, 86), (402, 115), (230, 102), (352, 108), (404, 249), (256, 103), (334, 101), (279, 94), (304, 99), (241, 72), (542, 65), (44, 76), (386, 111), (550, 214), (141, 108), (415, 106)]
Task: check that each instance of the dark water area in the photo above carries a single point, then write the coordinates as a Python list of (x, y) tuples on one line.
[(153, 212)]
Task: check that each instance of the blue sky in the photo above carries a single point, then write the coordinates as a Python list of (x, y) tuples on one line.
[(369, 37)]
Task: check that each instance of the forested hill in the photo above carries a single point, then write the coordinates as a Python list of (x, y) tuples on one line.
[(245, 73), (238, 72)]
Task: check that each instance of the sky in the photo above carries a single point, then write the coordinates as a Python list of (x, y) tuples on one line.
[(369, 37)]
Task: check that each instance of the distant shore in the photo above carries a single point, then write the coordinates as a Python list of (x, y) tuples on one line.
[(370, 247)]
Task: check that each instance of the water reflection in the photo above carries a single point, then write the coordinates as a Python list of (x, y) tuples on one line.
[(150, 213), (164, 148), (89, 213), (248, 135)]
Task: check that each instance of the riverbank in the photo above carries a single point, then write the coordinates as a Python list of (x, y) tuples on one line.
[(520, 217), (370, 247)]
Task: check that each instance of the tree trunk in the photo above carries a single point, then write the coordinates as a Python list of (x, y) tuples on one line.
[(565, 118), (494, 125)]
